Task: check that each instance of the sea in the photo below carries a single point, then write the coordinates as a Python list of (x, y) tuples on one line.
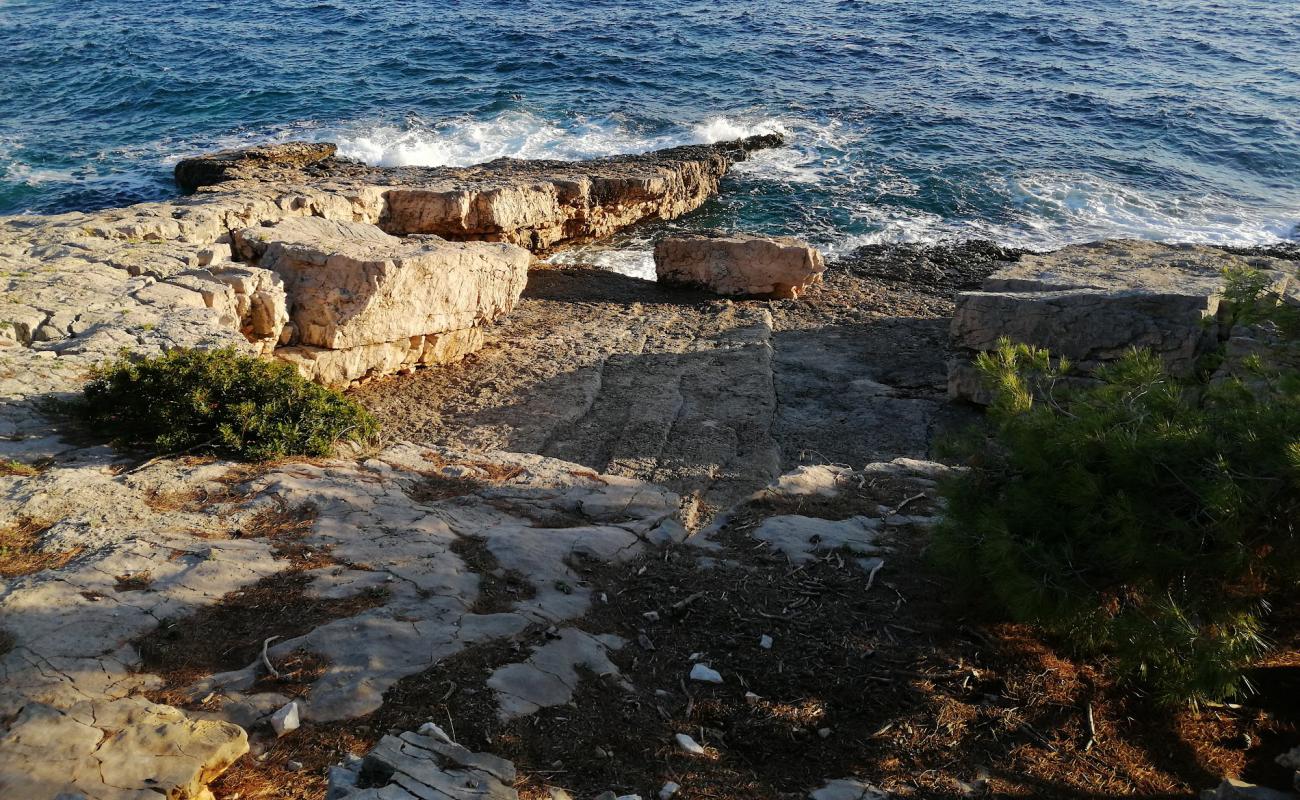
[(1034, 124)]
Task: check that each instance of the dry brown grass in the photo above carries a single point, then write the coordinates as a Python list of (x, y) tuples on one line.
[(21, 552), (10, 468)]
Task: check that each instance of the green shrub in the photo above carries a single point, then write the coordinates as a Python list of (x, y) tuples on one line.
[(1148, 519), (221, 402)]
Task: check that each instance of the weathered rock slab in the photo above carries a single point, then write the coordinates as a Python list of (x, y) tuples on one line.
[(739, 264), (411, 766), (1092, 303), (127, 749), (350, 284), (191, 173)]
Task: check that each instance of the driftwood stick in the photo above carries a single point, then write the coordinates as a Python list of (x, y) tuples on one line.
[(266, 659)]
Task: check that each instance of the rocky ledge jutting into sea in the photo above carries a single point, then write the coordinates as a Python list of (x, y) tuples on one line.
[(615, 455), (319, 276)]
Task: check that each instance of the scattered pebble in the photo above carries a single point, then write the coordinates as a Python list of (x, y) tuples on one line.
[(695, 657), (689, 745), (431, 729), (652, 616), (293, 766), (559, 794), (752, 698), (765, 642), (825, 733), (668, 791), (699, 672), (286, 719)]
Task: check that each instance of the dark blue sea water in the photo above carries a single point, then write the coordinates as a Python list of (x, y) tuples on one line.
[(1035, 122)]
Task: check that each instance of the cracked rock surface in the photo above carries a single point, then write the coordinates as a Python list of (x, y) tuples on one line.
[(71, 659), (1093, 302)]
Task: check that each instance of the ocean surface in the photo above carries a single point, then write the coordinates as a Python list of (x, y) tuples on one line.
[(1033, 123)]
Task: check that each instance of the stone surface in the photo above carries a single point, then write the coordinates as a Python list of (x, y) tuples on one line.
[(739, 264), (72, 630), (1233, 789), (364, 303), (123, 749), (414, 767), (550, 675), (537, 205), (350, 284), (799, 537), (847, 789), (191, 173), (1092, 303), (79, 288)]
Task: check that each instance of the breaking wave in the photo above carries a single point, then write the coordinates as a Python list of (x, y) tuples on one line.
[(519, 134)]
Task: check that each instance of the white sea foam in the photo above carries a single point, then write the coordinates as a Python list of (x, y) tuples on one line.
[(1053, 209), (634, 260), (519, 134)]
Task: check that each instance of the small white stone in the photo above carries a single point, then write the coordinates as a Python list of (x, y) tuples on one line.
[(765, 642), (286, 719), (689, 745), (652, 616), (825, 733), (668, 791), (293, 766), (628, 797), (431, 729), (752, 698), (699, 672), (559, 794)]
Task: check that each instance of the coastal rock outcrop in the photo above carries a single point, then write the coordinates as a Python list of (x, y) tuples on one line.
[(1091, 303), (80, 288), (362, 301), (539, 205), (739, 264), (191, 173)]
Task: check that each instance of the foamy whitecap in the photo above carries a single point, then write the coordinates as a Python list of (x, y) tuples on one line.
[(1052, 210), (518, 134), (632, 260)]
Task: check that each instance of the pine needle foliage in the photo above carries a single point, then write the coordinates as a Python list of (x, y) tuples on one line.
[(1137, 516), (220, 402)]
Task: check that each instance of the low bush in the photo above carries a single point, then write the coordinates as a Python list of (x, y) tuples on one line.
[(220, 402), (1137, 516)]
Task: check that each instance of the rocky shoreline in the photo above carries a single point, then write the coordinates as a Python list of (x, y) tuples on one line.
[(582, 431)]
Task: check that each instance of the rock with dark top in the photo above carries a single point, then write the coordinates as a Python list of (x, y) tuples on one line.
[(191, 173), (412, 767)]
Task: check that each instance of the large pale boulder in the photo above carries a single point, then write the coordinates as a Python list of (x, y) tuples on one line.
[(739, 264), (363, 303), (114, 750), (1093, 302), (350, 284)]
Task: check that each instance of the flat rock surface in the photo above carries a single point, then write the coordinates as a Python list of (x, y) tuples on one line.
[(1094, 302), (711, 398)]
